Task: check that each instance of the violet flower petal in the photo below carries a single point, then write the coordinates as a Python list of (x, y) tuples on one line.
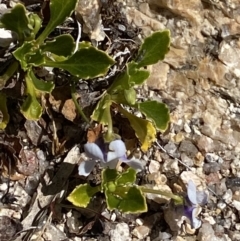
[(117, 149), (134, 163), (202, 197), (93, 151), (188, 212), (196, 223), (111, 156), (111, 164), (85, 168), (191, 213), (192, 192)]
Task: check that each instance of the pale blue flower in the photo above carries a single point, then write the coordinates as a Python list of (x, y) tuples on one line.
[(106, 155), (193, 201)]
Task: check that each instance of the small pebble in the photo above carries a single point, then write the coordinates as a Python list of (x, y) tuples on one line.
[(228, 214), (178, 238), (178, 137), (171, 167), (164, 235), (198, 160), (120, 233), (73, 225), (3, 187), (234, 235), (154, 166), (8, 228), (113, 217), (237, 226), (227, 224), (187, 128), (189, 148), (221, 205), (22, 197), (219, 229), (139, 221), (227, 197), (210, 219), (141, 232), (211, 157), (170, 148), (206, 233), (7, 37), (211, 167), (188, 161)]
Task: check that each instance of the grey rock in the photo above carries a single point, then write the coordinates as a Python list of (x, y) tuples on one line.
[(211, 167), (189, 148), (170, 148), (120, 233)]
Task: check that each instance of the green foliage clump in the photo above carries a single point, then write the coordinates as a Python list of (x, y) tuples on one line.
[(86, 62)]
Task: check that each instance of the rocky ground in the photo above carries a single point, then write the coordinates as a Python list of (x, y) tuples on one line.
[(200, 82)]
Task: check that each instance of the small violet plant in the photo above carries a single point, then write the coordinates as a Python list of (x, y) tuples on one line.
[(120, 187), (193, 201), (107, 154)]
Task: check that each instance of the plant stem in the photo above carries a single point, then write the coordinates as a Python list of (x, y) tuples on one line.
[(8, 73), (73, 94), (110, 126), (176, 198)]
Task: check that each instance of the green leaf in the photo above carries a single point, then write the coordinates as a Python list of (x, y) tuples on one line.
[(82, 194), (127, 200), (130, 96), (17, 21), (108, 187), (53, 57), (153, 48), (133, 202), (130, 77), (127, 177), (144, 129), (21, 54), (120, 83), (112, 200), (29, 54), (3, 111), (59, 10), (85, 63), (62, 45), (136, 76), (119, 195), (40, 85), (35, 58), (109, 175), (8, 74), (31, 109), (102, 113), (157, 112), (84, 44), (36, 23), (119, 97)]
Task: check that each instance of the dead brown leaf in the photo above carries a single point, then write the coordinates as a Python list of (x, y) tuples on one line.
[(94, 133)]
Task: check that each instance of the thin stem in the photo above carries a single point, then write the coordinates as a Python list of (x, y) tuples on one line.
[(8, 73), (78, 37), (107, 102), (110, 126), (188, 167), (176, 198), (73, 94)]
